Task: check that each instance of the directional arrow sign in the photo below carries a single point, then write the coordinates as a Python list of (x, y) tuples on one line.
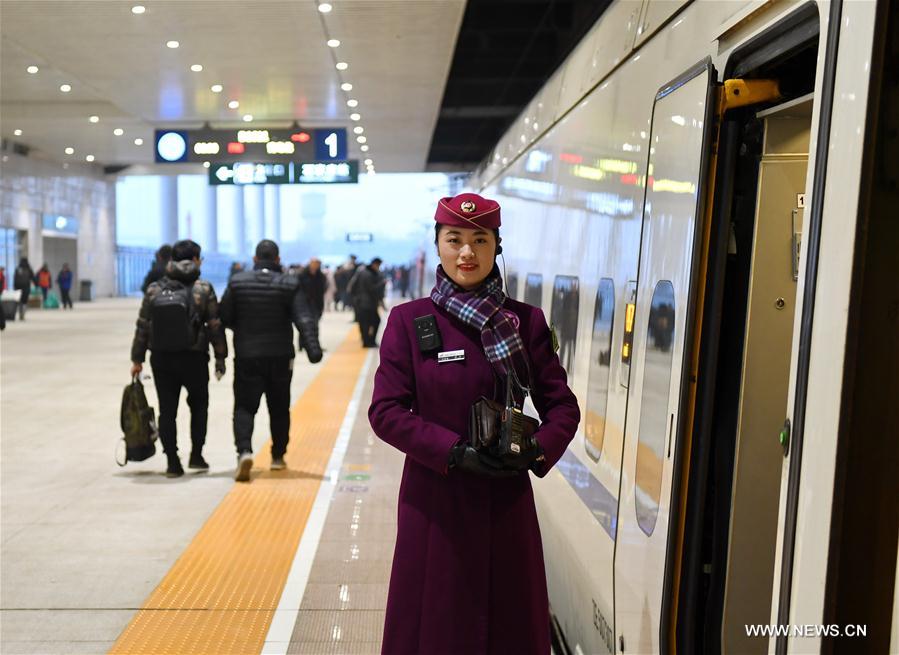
[(224, 173)]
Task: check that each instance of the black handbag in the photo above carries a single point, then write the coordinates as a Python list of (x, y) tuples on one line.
[(503, 431)]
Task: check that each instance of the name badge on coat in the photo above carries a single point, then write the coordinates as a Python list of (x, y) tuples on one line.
[(450, 356)]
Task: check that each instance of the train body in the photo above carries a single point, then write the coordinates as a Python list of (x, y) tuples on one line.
[(681, 199)]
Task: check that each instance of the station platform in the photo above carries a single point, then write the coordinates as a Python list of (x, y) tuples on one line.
[(102, 559)]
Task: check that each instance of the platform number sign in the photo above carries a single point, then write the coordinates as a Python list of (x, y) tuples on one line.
[(330, 144)]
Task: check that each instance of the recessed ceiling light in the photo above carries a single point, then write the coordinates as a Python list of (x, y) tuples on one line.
[(333, 43), (32, 69), (65, 88), (234, 104), (358, 129), (197, 68), (138, 142), (118, 131), (346, 86), (94, 119), (70, 150), (89, 158), (342, 65), (355, 117), (364, 148), (361, 139), (352, 102), (325, 7), (205, 164), (368, 162), (247, 118), (138, 9), (216, 88), (17, 132), (172, 44)]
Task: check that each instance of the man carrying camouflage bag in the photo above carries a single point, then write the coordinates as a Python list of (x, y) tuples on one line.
[(178, 319)]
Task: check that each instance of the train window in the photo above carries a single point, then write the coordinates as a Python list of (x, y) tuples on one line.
[(512, 285), (563, 317), (654, 423), (533, 290), (600, 361)]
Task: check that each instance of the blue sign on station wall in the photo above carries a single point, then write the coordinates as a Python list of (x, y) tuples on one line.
[(330, 145)]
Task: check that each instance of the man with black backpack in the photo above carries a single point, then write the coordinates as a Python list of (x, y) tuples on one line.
[(261, 307), (178, 319)]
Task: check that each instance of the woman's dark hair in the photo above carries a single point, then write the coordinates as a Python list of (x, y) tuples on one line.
[(437, 227)]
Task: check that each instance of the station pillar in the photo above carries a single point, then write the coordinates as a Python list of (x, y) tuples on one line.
[(169, 207), (273, 212), (212, 219), (240, 223)]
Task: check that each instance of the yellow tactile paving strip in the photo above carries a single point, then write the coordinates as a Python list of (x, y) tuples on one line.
[(221, 594)]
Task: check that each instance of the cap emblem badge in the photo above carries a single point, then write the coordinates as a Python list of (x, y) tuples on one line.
[(468, 207)]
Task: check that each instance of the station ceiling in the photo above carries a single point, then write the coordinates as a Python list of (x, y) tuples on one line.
[(436, 81)]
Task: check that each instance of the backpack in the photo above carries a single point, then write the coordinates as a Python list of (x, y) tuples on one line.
[(138, 421), (173, 318), (21, 279)]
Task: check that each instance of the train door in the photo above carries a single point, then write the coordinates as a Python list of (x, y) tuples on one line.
[(672, 215)]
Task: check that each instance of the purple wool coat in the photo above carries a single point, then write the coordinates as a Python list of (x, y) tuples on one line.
[(468, 574)]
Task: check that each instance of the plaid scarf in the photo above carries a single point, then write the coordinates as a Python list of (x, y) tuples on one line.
[(480, 308)]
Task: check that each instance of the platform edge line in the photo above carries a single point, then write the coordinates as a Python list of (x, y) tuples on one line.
[(277, 640)]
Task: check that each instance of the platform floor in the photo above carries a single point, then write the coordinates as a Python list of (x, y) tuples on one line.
[(92, 552)]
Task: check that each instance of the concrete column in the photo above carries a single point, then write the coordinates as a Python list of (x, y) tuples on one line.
[(240, 223), (258, 200), (169, 208), (212, 219), (273, 212)]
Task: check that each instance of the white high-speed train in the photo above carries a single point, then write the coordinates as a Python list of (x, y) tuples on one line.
[(702, 200)]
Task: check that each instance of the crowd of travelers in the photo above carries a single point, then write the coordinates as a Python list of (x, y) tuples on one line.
[(25, 280), (181, 319)]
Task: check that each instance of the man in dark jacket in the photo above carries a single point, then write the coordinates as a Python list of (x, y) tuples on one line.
[(22, 280), (157, 270), (314, 284), (367, 291), (178, 319), (64, 279), (261, 307)]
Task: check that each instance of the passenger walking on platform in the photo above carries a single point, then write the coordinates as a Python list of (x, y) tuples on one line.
[(44, 282), (2, 279), (468, 573), (178, 319), (261, 307), (157, 270), (64, 279), (367, 291), (22, 280), (314, 284)]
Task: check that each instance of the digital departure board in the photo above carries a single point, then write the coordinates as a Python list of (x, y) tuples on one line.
[(312, 172), (251, 145)]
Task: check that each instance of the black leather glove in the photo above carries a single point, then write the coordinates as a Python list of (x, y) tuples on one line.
[(312, 348), (465, 458), (538, 461), (219, 369)]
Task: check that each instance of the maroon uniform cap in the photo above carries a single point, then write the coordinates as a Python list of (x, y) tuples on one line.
[(468, 210)]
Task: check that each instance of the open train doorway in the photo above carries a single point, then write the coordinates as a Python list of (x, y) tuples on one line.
[(735, 471)]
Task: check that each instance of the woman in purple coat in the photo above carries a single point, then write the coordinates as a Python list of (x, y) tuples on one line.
[(468, 575)]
